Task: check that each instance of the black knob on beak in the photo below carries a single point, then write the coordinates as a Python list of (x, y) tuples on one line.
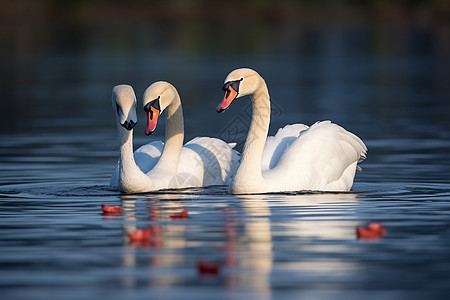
[(129, 125)]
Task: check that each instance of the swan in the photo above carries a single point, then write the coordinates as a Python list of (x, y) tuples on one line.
[(156, 166), (144, 158), (322, 157)]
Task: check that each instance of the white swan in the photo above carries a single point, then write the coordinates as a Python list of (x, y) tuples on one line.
[(201, 162), (322, 157)]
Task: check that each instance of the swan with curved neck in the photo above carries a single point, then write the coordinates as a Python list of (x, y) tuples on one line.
[(129, 175), (156, 166), (158, 97), (322, 157)]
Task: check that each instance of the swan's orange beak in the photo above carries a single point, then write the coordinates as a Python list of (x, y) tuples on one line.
[(229, 96), (152, 120), (153, 110)]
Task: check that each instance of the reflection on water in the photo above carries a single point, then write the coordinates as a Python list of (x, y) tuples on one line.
[(245, 238), (56, 242), (256, 252), (265, 245)]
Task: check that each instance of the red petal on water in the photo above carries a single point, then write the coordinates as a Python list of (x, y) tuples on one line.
[(377, 227), (140, 234), (372, 231), (207, 267), (111, 209), (364, 233), (182, 215)]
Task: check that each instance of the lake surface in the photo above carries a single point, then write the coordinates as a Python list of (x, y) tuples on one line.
[(59, 148)]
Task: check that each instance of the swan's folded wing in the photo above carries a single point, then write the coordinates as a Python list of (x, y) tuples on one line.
[(320, 155), (277, 144), (147, 156), (217, 159)]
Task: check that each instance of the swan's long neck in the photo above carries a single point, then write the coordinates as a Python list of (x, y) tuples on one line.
[(174, 138), (131, 178), (126, 146), (249, 172)]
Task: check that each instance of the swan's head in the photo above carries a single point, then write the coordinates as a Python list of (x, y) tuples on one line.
[(239, 83), (124, 103), (157, 97)]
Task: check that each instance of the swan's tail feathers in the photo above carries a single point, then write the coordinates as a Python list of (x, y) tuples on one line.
[(362, 156), (357, 144), (232, 145)]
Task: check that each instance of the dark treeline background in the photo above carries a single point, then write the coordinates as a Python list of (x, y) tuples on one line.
[(60, 59)]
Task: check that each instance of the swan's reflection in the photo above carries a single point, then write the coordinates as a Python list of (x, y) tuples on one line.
[(319, 225), (255, 246), (309, 223), (239, 237), (321, 216), (129, 225), (164, 234)]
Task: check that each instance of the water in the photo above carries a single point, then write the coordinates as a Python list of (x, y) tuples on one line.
[(58, 150)]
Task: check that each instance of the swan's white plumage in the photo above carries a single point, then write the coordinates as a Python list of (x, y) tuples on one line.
[(156, 166), (204, 161), (322, 157), (277, 144)]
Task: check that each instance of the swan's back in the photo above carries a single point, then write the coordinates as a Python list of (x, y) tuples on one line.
[(277, 144), (324, 157), (212, 157)]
